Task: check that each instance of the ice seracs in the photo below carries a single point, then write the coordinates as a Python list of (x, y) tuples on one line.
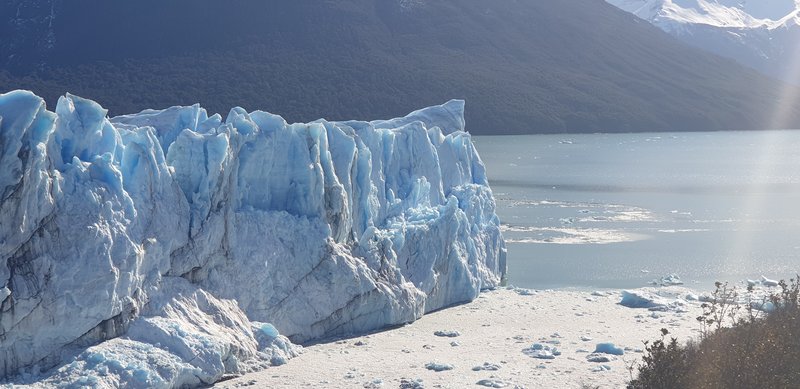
[(180, 234)]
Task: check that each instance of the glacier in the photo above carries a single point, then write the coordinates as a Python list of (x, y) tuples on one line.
[(170, 248)]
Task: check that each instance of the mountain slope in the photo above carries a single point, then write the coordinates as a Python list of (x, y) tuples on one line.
[(764, 35), (523, 66)]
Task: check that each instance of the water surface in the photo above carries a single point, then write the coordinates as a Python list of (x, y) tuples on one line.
[(619, 210)]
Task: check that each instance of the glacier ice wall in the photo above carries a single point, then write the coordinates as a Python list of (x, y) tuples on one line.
[(133, 231)]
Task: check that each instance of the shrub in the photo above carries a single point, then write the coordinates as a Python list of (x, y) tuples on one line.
[(755, 351)]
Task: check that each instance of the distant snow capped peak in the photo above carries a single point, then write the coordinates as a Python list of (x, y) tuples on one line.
[(762, 34), (790, 20), (716, 13)]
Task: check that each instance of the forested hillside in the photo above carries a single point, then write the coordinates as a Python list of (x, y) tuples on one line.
[(523, 66)]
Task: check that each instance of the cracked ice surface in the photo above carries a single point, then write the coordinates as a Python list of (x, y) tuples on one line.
[(165, 228)]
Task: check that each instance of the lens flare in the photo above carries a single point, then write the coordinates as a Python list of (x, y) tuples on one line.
[(768, 155)]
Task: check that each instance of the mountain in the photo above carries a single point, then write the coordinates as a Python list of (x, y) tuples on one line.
[(763, 34), (528, 66)]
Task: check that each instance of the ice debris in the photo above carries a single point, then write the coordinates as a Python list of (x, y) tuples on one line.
[(609, 348), (669, 280), (374, 384), (412, 384), (768, 282), (651, 301), (447, 334), (600, 368), (525, 292), (487, 366), (438, 367), (598, 358), (541, 351), (492, 383), (185, 338)]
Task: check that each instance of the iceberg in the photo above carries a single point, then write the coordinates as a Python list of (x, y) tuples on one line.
[(608, 348), (206, 246)]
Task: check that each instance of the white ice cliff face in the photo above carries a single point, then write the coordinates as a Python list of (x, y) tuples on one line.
[(171, 236)]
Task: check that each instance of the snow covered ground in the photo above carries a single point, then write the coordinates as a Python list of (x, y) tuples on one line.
[(512, 337)]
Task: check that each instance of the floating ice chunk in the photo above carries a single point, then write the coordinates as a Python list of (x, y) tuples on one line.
[(487, 366), (447, 334), (642, 299), (438, 367), (543, 354), (651, 301), (609, 348), (525, 292), (492, 383), (669, 280), (412, 384), (598, 358), (768, 282), (567, 220), (541, 351)]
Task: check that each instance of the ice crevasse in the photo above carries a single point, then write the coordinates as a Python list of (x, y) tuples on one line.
[(152, 249)]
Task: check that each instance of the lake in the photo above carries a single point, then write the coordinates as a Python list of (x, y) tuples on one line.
[(620, 210)]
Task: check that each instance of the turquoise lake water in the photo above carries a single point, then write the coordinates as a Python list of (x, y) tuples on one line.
[(619, 210)]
